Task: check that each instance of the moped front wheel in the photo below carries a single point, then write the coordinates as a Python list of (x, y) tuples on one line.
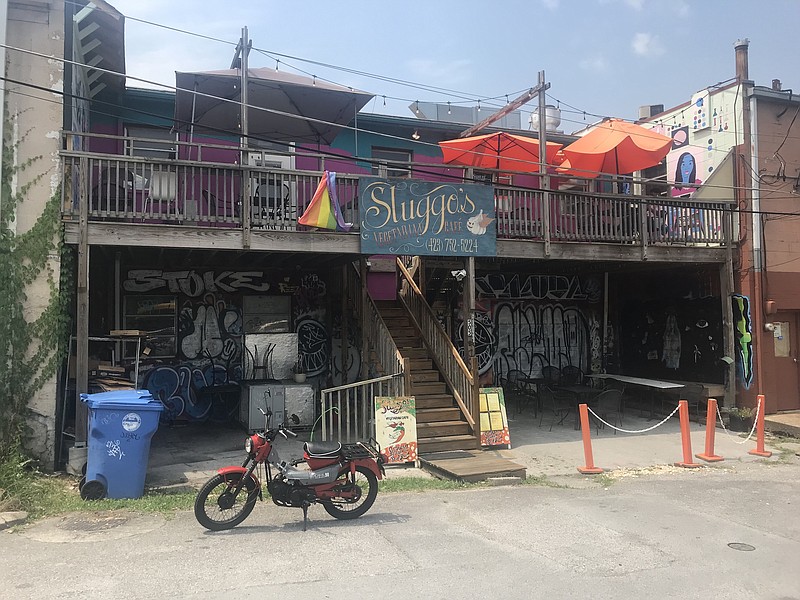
[(358, 495), (216, 508)]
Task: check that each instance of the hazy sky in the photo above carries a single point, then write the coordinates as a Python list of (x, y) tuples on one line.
[(605, 57)]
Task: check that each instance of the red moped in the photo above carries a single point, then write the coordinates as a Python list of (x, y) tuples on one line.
[(341, 477)]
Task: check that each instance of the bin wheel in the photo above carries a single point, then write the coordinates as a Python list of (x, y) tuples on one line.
[(81, 483), (83, 469), (93, 490)]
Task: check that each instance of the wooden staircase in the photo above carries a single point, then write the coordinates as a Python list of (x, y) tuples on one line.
[(440, 423)]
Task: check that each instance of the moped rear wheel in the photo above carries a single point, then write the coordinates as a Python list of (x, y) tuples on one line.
[(366, 489), (216, 508)]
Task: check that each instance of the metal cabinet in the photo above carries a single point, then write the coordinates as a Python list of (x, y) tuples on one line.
[(265, 396)]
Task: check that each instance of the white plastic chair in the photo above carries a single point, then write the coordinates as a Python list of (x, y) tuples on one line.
[(162, 188)]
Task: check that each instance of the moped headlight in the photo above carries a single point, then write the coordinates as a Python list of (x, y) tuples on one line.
[(248, 445)]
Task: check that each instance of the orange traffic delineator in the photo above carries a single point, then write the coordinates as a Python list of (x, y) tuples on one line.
[(589, 469), (686, 439), (759, 449), (711, 429)]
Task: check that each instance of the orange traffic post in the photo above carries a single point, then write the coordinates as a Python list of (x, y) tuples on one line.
[(759, 450), (686, 440), (711, 430), (589, 469)]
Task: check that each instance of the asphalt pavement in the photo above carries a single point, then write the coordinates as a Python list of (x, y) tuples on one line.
[(719, 532)]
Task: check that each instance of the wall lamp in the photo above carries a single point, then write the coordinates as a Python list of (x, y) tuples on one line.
[(415, 135)]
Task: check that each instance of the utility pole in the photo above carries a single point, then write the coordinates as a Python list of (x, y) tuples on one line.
[(544, 180)]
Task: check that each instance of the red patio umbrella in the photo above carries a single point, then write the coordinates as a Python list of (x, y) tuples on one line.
[(614, 147), (502, 151)]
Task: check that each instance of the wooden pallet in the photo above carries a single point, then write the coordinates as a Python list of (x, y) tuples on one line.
[(471, 465)]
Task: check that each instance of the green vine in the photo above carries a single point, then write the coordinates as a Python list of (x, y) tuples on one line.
[(34, 341)]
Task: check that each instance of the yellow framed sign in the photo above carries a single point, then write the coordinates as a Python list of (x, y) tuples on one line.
[(396, 428), (494, 422)]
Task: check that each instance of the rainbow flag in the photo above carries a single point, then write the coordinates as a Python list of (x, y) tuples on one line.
[(324, 210)]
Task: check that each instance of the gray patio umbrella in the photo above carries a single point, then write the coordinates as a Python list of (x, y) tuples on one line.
[(295, 108)]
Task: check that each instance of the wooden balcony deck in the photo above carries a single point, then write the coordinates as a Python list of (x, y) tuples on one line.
[(128, 200)]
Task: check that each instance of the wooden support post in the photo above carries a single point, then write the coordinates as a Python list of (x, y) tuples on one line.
[(365, 358), (345, 324), (469, 309), (82, 310), (544, 180)]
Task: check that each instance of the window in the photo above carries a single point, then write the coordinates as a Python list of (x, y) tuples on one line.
[(391, 163), (146, 142)]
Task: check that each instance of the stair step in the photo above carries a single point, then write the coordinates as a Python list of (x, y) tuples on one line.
[(413, 352), (403, 331), (428, 387), (434, 415), (419, 376), (452, 442), (432, 401), (442, 429), (407, 342), (421, 364), (396, 321)]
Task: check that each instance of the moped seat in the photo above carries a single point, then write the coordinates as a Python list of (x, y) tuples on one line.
[(322, 449)]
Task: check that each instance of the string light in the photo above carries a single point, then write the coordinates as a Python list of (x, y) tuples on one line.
[(479, 106), (277, 62), (384, 100), (448, 107), (314, 81), (417, 109)]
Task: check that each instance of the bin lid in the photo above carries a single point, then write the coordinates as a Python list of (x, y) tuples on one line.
[(128, 398)]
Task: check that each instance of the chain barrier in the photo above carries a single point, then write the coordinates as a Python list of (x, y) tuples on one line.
[(667, 418), (752, 429)]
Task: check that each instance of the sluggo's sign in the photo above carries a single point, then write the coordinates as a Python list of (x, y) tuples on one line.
[(409, 216)]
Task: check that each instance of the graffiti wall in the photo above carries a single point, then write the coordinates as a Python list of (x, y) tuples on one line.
[(671, 328), (197, 330), (527, 322)]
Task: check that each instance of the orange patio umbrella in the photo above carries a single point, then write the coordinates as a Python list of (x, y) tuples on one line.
[(502, 151), (614, 147)]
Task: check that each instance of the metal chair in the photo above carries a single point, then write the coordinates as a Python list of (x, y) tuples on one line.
[(558, 403), (608, 405), (551, 375), (571, 375), (517, 389)]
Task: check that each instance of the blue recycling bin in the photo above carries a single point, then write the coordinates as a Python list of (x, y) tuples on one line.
[(121, 425)]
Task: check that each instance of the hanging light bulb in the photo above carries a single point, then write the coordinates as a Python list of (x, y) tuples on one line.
[(384, 100), (417, 109), (479, 106), (448, 108), (314, 80), (276, 64)]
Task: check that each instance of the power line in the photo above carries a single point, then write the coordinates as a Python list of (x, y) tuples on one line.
[(291, 115)]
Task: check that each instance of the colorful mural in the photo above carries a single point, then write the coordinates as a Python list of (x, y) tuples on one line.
[(744, 339)]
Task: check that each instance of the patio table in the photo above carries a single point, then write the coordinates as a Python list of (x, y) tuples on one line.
[(650, 384)]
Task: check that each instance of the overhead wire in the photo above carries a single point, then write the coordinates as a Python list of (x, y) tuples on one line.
[(291, 115)]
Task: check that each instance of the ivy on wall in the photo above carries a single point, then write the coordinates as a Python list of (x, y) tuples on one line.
[(31, 350)]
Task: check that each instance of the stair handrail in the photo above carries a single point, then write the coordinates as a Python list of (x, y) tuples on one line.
[(458, 377), (376, 333), (348, 411)]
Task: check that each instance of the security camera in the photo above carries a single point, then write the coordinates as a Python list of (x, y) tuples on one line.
[(459, 275), (769, 326)]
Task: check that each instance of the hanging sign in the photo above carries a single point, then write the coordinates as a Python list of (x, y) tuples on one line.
[(411, 216), (494, 422), (396, 428)]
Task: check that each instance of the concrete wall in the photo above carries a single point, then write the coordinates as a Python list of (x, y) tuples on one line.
[(34, 125)]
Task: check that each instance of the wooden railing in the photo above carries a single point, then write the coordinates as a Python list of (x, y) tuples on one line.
[(380, 346), (348, 411), (458, 377), (206, 185)]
